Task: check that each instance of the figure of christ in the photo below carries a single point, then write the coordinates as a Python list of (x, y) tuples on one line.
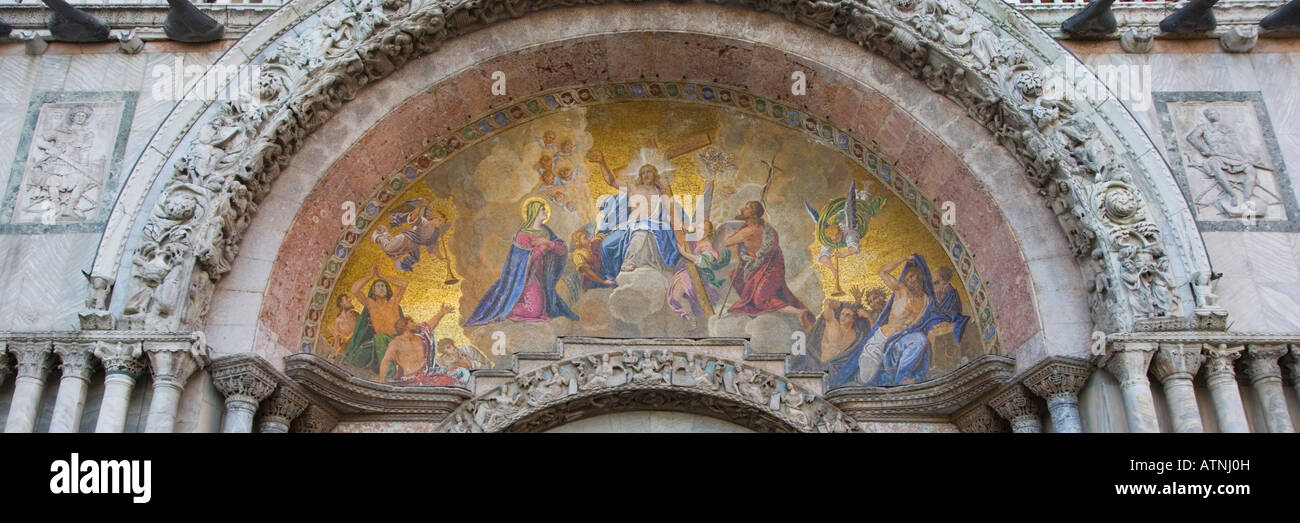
[(645, 238), (760, 278), (682, 297), (377, 325), (408, 353), (897, 350)]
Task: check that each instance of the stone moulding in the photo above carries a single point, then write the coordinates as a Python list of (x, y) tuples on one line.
[(1118, 206), (934, 400), (640, 376), (356, 399), (146, 19)]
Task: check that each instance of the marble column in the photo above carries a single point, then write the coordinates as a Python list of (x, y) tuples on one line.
[(1128, 362), (172, 363), (1222, 381), (1059, 380), (245, 380), (279, 410), (1019, 406), (314, 419), (1175, 365), (122, 366), (979, 419), (77, 361), (1261, 368), (1292, 366), (35, 359)]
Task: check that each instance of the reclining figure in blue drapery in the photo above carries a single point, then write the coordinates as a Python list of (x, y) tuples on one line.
[(897, 349)]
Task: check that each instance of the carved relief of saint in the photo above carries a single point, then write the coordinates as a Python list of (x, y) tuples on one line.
[(65, 169)]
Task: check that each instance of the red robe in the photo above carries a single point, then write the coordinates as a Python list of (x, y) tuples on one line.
[(760, 280)]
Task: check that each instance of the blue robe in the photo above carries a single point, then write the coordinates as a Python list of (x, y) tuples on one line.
[(615, 223), (501, 298), (906, 354)]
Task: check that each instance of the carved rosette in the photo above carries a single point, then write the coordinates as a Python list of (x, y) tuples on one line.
[(34, 358), (314, 419), (243, 381), (121, 358), (285, 404), (76, 360), (1060, 378), (955, 50), (982, 419), (1261, 362), (1177, 361), (656, 379)]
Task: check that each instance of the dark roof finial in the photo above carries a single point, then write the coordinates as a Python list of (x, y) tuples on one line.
[(69, 24), (185, 23)]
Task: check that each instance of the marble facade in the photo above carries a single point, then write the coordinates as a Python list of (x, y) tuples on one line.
[(1232, 380)]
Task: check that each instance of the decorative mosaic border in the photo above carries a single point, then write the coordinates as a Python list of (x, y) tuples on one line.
[(107, 193), (926, 208), (1174, 155)]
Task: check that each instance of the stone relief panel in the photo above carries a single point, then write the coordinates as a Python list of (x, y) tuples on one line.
[(1226, 157), (66, 168)]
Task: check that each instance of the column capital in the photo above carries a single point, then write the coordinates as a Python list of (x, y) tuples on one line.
[(121, 358), (315, 419), (1129, 361), (285, 404), (1057, 376), (243, 377), (1015, 401), (1292, 360), (6, 366), (1260, 362), (982, 418), (1177, 360), (173, 362), (1219, 358), (34, 358), (76, 359)]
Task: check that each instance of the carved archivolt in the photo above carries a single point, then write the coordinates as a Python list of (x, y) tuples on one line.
[(647, 379), (991, 69)]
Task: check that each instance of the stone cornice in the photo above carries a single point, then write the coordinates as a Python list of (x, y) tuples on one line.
[(358, 399), (110, 336), (932, 400), (1147, 15), (1210, 337), (145, 19)]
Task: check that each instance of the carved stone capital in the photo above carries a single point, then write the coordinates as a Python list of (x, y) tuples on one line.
[(1015, 403), (314, 419), (1129, 361), (243, 378), (76, 359), (1260, 362), (1218, 361), (121, 358), (1292, 360), (981, 418), (1058, 377), (6, 366), (34, 358), (285, 404), (1177, 361), (173, 362)]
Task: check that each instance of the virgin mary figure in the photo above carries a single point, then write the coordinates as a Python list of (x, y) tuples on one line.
[(526, 289)]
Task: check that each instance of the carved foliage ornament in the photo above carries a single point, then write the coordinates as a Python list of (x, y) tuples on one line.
[(241, 147), (646, 378)]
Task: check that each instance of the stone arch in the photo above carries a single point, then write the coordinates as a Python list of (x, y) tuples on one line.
[(1113, 195), (647, 379)]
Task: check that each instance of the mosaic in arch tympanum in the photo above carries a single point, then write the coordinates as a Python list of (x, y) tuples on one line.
[(649, 210)]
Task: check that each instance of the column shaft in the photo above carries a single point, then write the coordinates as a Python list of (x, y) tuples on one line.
[(34, 362), (69, 404), (1128, 362), (117, 398), (1261, 367), (1222, 382), (162, 410), (1065, 413), (1175, 364), (239, 415)]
